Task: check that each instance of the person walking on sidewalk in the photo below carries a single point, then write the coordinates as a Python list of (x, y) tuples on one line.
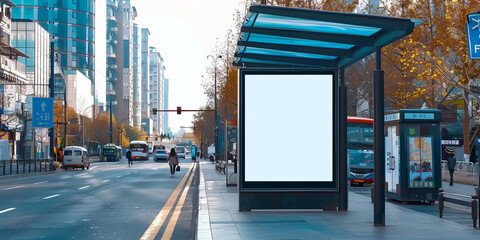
[(451, 162), (129, 157), (172, 161)]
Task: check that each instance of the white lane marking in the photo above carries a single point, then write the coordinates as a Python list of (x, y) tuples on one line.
[(128, 173), (93, 167), (64, 177), (84, 187), (105, 180), (10, 188), (82, 174), (7, 210), (55, 195), (40, 182), (118, 176)]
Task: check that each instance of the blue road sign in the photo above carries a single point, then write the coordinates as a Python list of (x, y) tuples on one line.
[(190, 142), (473, 35), (42, 112)]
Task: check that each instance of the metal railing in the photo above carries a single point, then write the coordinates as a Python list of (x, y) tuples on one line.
[(13, 167), (459, 199)]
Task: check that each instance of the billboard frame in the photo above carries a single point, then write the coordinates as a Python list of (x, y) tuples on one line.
[(279, 195)]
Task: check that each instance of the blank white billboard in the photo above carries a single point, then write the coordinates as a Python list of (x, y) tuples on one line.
[(288, 128)]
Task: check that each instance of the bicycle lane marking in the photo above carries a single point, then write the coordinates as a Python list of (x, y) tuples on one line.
[(178, 209), (157, 223)]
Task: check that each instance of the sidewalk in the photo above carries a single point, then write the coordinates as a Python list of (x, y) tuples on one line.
[(219, 218)]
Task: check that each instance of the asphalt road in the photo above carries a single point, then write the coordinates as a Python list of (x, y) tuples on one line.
[(109, 201)]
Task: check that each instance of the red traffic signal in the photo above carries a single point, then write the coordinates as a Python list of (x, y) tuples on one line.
[(179, 110)]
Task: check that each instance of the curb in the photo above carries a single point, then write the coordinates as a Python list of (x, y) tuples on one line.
[(25, 175)]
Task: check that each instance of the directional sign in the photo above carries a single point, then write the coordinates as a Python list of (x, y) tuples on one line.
[(473, 35), (42, 112)]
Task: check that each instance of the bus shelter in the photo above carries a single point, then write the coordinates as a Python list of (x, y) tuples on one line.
[(291, 82)]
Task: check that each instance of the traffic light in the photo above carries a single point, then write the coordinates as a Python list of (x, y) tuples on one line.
[(179, 110), (154, 111)]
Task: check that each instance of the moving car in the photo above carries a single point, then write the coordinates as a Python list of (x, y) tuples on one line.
[(160, 155), (180, 152), (75, 157)]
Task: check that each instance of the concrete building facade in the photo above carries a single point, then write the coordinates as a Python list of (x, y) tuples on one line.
[(124, 94)]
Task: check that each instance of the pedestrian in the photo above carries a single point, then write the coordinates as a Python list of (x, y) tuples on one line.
[(172, 161), (451, 162), (129, 157)]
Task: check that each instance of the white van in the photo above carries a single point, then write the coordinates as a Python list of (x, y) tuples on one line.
[(75, 157)]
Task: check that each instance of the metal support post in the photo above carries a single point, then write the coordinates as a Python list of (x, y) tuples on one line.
[(111, 120), (343, 141), (379, 145), (474, 212), (52, 94)]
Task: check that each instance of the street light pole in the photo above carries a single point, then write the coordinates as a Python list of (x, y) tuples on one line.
[(215, 102), (83, 125)]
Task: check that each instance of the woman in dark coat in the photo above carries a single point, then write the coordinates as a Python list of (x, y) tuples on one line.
[(172, 161)]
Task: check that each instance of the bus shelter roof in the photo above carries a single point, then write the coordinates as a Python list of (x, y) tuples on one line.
[(284, 37)]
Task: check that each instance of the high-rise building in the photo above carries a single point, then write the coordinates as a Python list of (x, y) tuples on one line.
[(100, 54), (165, 106), (111, 51), (137, 76), (72, 25), (156, 88), (146, 119), (125, 15)]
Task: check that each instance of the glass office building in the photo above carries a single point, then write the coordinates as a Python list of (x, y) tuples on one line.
[(112, 45), (72, 23), (33, 40)]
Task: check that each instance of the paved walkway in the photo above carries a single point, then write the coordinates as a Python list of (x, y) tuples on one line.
[(219, 218)]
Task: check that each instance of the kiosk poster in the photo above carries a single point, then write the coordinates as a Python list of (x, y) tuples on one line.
[(420, 155)]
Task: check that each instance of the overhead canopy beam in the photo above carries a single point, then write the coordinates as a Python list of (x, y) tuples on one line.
[(298, 48), (291, 60), (311, 35)]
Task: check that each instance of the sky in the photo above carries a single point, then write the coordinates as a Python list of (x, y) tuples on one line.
[(185, 32)]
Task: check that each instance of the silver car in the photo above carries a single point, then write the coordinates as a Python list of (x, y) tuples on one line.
[(160, 155)]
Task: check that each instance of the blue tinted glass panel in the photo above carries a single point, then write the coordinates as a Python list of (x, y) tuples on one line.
[(295, 41), (287, 54), (288, 23)]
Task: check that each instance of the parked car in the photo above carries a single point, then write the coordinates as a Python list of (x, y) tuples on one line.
[(75, 157), (180, 152), (160, 155)]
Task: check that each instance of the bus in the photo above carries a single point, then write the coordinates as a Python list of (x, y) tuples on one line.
[(111, 152), (139, 150), (360, 150)]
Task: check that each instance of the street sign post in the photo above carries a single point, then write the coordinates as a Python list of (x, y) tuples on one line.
[(42, 114), (473, 35)]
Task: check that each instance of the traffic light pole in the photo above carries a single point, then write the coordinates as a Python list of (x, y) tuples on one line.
[(179, 110)]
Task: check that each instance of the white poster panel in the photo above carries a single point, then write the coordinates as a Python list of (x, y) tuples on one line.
[(289, 128)]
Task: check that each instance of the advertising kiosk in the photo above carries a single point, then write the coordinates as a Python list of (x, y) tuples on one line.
[(412, 155), (288, 181)]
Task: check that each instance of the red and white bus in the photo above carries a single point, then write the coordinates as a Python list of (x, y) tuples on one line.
[(360, 150), (139, 150)]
